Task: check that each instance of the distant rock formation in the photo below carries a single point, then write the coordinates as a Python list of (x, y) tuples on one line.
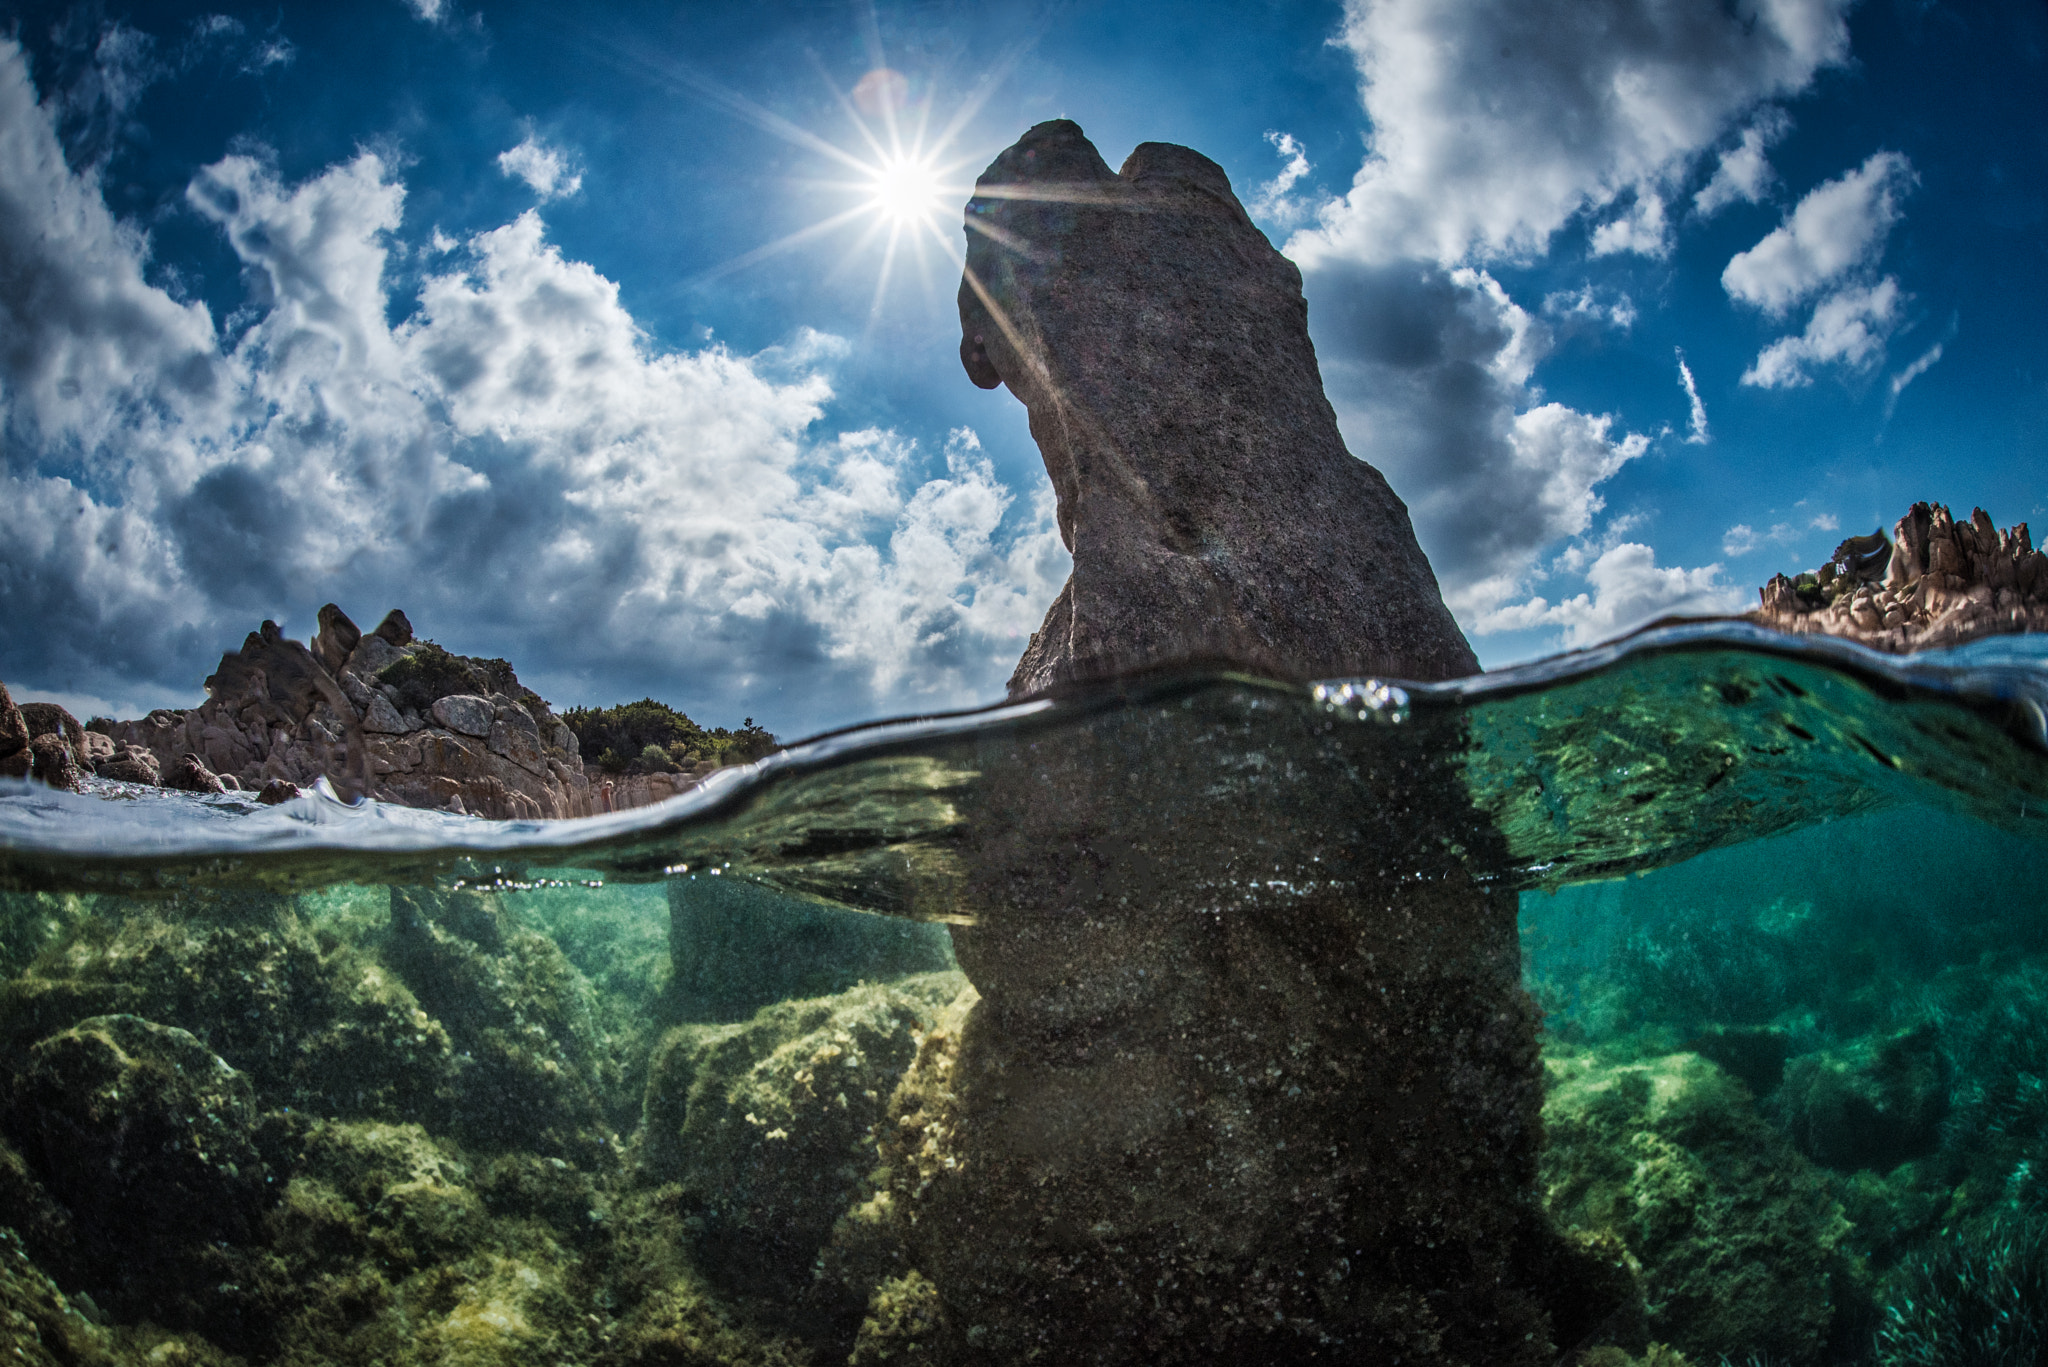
[(403, 718), (1161, 345), (1937, 582)]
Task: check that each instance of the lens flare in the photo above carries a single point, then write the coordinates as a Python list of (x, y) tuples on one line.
[(907, 190)]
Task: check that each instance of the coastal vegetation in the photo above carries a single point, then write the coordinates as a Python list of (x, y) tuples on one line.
[(649, 737)]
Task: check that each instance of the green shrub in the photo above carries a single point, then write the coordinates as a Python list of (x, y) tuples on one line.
[(652, 737), (429, 673)]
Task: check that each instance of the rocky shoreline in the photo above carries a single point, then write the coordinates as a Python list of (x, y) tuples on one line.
[(1935, 583), (379, 712)]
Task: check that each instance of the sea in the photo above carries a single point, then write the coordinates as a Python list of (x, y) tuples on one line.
[(324, 1082)]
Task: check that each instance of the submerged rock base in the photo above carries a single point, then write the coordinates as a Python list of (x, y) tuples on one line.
[(1251, 1075)]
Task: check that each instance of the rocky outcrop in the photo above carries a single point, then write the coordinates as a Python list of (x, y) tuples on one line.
[(15, 759), (379, 711), (42, 740), (1161, 345), (1251, 1075), (1936, 583)]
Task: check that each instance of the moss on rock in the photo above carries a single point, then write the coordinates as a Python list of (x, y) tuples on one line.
[(1735, 1232), (769, 1129)]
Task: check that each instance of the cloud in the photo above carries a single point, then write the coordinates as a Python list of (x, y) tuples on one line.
[(1919, 366), (545, 169), (1497, 122), (1629, 589), (1591, 305), (428, 11), (1696, 420), (515, 463), (1836, 228), (1741, 539), (1641, 230), (1272, 202), (1744, 172), (1495, 125), (1429, 372), (1848, 328)]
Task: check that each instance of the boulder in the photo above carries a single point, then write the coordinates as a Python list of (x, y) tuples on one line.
[(395, 629), (47, 719), (1872, 1104), (15, 760), (768, 1125), (1161, 347), (1251, 1072), (131, 763), (276, 791), (98, 750), (53, 763), (1735, 1232), (191, 775), (336, 640), (465, 714), (131, 1125)]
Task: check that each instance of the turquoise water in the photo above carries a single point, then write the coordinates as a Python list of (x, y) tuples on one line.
[(317, 1083)]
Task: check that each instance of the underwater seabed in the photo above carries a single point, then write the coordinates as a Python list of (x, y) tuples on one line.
[(319, 1084)]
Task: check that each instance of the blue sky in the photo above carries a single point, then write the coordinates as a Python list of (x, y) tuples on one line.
[(576, 330)]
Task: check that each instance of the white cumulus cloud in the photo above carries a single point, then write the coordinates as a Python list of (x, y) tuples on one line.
[(1628, 589), (1496, 122), (1835, 228), (516, 464), (1744, 172), (1848, 328), (546, 170)]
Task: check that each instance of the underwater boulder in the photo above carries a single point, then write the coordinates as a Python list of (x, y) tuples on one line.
[(1736, 1233), (528, 1057), (769, 1128), (134, 1126), (39, 1325), (1161, 346), (1872, 1104), (315, 1025)]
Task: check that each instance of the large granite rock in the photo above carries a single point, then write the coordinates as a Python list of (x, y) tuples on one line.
[(1937, 582), (1251, 1075), (1161, 345)]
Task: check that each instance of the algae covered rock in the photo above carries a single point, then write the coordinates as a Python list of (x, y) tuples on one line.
[(137, 1128), (1872, 1104), (770, 1128), (1736, 1233), (518, 1015), (39, 1327), (313, 1023)]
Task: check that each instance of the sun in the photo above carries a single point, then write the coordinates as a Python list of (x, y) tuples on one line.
[(898, 188), (908, 189)]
